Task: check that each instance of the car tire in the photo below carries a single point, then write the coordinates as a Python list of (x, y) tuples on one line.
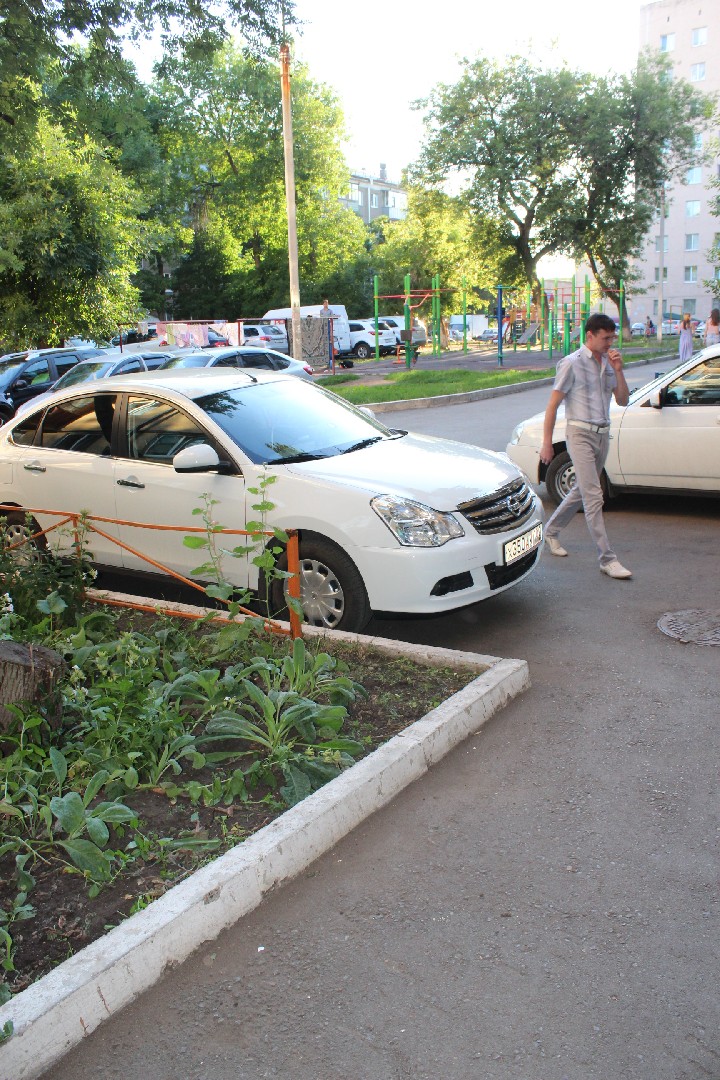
[(332, 592), (362, 350), (560, 478), (18, 526)]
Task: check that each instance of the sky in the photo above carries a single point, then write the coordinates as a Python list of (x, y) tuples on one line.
[(381, 55)]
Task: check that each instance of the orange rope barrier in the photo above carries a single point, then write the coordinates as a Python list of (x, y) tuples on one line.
[(69, 518)]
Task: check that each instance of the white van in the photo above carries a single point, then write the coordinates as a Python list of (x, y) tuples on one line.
[(341, 323)]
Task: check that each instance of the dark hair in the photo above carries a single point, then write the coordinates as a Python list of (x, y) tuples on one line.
[(715, 316), (598, 322)]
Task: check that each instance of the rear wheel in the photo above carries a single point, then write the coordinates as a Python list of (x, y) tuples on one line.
[(332, 592), (362, 350)]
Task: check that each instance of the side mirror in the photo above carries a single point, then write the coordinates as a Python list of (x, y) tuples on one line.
[(198, 458), (655, 400)]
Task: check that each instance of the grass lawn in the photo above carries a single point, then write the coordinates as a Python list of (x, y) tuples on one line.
[(407, 385)]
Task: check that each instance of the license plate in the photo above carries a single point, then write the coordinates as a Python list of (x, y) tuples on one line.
[(521, 545)]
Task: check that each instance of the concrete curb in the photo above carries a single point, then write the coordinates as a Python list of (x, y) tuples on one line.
[(478, 395), (58, 1011)]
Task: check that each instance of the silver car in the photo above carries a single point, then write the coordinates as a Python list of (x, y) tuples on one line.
[(246, 357)]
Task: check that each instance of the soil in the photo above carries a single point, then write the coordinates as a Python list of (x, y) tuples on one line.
[(67, 918)]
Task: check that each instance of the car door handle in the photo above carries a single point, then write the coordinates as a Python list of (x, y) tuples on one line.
[(35, 468), (131, 484)]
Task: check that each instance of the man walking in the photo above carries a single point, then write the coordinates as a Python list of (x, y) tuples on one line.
[(586, 380)]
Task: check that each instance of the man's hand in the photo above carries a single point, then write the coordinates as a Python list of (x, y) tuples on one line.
[(615, 359), (547, 453)]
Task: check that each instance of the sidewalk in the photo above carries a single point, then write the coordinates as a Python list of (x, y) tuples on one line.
[(542, 905)]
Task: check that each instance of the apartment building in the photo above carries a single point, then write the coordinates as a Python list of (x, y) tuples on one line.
[(688, 32), (371, 197)]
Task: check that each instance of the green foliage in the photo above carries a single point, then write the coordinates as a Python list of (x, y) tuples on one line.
[(561, 160), (70, 237), (408, 385)]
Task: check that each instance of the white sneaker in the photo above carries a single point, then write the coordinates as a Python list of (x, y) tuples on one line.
[(555, 547), (615, 569)]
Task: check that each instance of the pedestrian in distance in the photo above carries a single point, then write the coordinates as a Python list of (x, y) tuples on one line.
[(326, 313), (649, 327), (712, 328), (586, 380), (685, 343)]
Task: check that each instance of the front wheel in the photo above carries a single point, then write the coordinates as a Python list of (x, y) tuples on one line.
[(362, 350), (560, 478), (18, 527), (332, 593)]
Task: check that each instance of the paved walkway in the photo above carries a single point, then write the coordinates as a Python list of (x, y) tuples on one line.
[(541, 906)]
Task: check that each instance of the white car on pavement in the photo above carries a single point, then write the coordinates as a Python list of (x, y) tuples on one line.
[(388, 521), (362, 338), (667, 438), (266, 336)]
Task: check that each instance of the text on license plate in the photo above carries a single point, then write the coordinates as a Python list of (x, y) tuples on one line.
[(521, 545)]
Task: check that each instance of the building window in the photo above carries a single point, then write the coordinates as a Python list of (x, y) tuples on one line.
[(657, 243), (386, 198), (657, 273), (655, 307), (689, 306), (692, 208), (692, 241), (374, 201), (693, 175), (667, 42), (697, 72), (699, 36), (354, 193), (699, 141), (690, 273)]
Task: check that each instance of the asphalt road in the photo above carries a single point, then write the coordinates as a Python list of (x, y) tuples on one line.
[(542, 905)]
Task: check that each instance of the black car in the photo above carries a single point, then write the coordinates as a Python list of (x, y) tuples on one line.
[(215, 340), (24, 375), (131, 337)]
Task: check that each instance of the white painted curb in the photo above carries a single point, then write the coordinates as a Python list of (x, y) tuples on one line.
[(59, 1010)]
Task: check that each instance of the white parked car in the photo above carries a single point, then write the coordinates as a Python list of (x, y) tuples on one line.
[(387, 521), (667, 438), (244, 356), (397, 323), (362, 338), (266, 336)]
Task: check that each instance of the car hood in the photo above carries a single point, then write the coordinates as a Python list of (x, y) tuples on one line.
[(438, 472)]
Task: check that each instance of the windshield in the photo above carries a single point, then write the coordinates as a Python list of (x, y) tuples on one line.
[(83, 372), (290, 421), (9, 367)]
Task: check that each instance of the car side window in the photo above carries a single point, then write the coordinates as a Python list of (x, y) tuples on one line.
[(228, 361), (64, 363), (699, 386), (128, 367), (81, 424), (37, 373), (254, 359), (157, 430), (276, 362), (23, 434)]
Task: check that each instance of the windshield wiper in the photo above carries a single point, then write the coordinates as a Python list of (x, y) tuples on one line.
[(362, 444), (295, 457)]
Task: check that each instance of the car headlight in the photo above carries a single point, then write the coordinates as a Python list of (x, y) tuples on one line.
[(415, 525)]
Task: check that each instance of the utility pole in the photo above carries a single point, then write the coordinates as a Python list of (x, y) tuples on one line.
[(290, 200), (661, 271)]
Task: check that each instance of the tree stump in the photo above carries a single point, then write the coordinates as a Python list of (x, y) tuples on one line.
[(29, 673)]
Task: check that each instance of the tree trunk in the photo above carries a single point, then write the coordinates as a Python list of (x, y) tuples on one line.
[(29, 673)]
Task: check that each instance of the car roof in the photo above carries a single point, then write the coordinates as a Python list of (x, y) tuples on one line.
[(188, 382)]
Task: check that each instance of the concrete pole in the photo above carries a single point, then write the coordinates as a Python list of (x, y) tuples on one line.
[(661, 271), (290, 201)]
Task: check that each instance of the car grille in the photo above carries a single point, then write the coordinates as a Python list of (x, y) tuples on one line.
[(505, 509)]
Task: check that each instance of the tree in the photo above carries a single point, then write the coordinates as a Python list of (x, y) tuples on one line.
[(503, 130), (222, 131), (637, 134), (70, 238), (564, 161), (34, 33)]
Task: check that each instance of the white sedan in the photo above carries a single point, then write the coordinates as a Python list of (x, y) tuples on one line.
[(667, 438), (362, 338), (387, 521)]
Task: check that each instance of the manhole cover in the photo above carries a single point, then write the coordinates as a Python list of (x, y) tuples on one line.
[(692, 627)]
